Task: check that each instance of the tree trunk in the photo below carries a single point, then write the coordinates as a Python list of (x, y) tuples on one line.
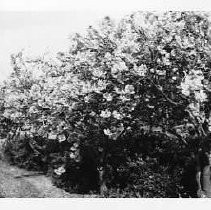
[(102, 181)]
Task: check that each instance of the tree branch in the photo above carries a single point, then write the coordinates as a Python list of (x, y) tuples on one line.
[(198, 127), (165, 96)]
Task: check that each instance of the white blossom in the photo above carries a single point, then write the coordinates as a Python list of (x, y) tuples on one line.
[(105, 114), (59, 171), (61, 138), (117, 115), (107, 96)]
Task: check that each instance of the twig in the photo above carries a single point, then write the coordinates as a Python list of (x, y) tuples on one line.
[(165, 96)]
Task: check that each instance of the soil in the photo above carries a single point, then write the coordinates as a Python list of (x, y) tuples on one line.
[(20, 183)]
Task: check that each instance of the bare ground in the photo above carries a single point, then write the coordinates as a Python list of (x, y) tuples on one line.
[(19, 183)]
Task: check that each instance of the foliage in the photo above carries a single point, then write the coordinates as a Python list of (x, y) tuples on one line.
[(146, 178), (146, 75)]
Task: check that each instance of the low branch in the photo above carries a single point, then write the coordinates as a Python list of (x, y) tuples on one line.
[(197, 124), (165, 96), (175, 135)]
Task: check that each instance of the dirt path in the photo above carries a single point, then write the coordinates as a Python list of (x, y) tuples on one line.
[(19, 183)]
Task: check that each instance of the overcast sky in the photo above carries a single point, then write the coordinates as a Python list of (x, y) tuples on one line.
[(44, 25), (38, 32)]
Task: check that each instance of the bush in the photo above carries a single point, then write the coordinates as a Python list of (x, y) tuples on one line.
[(88, 108), (145, 178)]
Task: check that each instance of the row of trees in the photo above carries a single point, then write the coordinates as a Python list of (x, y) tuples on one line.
[(123, 108)]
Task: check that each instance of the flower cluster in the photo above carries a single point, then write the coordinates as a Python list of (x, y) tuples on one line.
[(59, 171)]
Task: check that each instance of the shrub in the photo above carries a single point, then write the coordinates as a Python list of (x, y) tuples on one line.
[(145, 178), (147, 75)]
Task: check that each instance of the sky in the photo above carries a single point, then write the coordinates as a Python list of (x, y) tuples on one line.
[(45, 25), (39, 32)]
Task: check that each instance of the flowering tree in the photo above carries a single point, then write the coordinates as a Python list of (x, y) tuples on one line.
[(148, 70), (149, 73)]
